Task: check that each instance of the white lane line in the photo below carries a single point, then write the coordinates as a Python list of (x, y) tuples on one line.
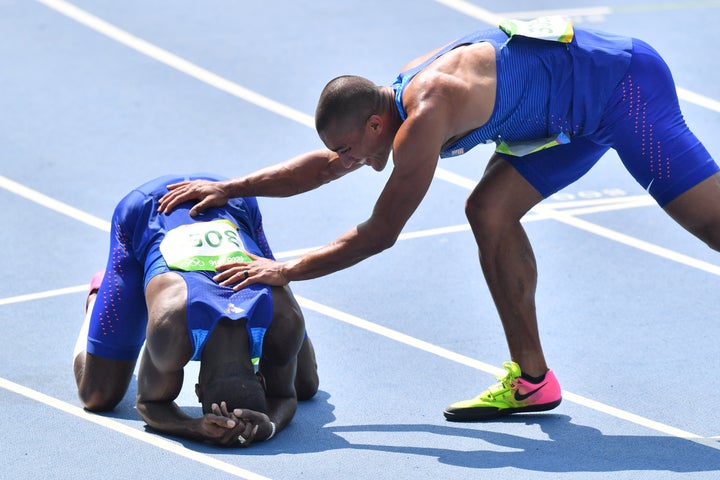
[(591, 13), (151, 439), (619, 237), (494, 19), (643, 199), (53, 204), (576, 207), (551, 211), (492, 370), (474, 11), (46, 294), (697, 99), (364, 325), (232, 88), (173, 61)]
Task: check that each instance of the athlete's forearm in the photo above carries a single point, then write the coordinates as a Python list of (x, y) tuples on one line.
[(167, 417), (354, 246), (297, 175), (280, 411)]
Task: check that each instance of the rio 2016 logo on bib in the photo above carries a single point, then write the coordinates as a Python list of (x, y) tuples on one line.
[(554, 28), (203, 246)]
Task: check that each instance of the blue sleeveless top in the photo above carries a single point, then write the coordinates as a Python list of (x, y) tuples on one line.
[(544, 88), (207, 302)]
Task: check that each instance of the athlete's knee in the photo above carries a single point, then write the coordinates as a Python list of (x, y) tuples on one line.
[(307, 386), (307, 381), (709, 234), (102, 382), (100, 399), (481, 214), (698, 210), (489, 223)]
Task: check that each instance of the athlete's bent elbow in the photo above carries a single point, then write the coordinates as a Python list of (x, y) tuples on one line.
[(382, 243), (377, 238)]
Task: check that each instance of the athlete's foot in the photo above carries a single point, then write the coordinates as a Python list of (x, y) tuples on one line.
[(95, 282), (512, 394)]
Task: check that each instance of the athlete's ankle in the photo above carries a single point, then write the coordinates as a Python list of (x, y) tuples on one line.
[(532, 379)]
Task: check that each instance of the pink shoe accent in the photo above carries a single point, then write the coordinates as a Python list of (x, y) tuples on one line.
[(95, 281), (547, 391)]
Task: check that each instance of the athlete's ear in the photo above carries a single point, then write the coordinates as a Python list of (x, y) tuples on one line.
[(374, 124)]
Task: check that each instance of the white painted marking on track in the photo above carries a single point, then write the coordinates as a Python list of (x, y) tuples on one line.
[(584, 13), (551, 211), (619, 237), (149, 438), (493, 19), (370, 327), (576, 207), (474, 11), (173, 61), (478, 365), (592, 14), (53, 204), (45, 294), (697, 99)]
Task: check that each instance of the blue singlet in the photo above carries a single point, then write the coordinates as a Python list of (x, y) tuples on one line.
[(599, 91), (119, 317)]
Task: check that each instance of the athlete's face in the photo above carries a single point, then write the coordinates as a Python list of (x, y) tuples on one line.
[(359, 146)]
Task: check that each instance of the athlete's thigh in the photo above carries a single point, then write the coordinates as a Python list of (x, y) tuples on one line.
[(306, 378), (285, 334), (552, 169), (644, 124), (119, 314), (287, 311), (513, 185), (102, 382), (502, 189)]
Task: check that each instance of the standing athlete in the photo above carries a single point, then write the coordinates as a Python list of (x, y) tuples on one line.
[(553, 99)]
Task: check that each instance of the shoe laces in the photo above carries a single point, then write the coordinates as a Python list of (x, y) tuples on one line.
[(506, 382)]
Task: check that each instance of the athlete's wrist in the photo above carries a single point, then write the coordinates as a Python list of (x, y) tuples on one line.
[(234, 188), (285, 272), (271, 431)]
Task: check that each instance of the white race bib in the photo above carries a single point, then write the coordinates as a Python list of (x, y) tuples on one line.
[(520, 149), (203, 246), (554, 28)]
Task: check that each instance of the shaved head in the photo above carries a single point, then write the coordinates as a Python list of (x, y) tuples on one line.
[(233, 384), (346, 103)]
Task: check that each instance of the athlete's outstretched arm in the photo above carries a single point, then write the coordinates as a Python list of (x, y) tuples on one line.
[(297, 175), (417, 148)]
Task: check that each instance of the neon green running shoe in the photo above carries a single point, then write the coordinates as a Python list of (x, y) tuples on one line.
[(512, 394)]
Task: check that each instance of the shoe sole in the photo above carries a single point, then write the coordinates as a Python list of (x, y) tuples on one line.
[(477, 414)]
